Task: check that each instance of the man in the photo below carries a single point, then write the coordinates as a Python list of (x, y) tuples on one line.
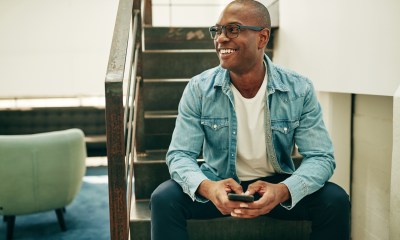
[(246, 114)]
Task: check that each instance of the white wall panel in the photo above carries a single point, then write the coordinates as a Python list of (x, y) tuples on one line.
[(343, 46), (395, 187), (372, 160), (54, 47), (336, 108)]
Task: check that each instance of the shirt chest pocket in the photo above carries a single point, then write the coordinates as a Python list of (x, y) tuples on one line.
[(216, 132), (283, 131)]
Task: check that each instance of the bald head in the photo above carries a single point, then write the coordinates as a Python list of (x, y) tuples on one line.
[(261, 13)]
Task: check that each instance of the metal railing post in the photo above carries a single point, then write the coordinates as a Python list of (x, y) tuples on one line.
[(140, 131), (115, 122), (148, 13)]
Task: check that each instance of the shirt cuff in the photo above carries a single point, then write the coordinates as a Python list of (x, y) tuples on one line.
[(297, 188), (193, 182)]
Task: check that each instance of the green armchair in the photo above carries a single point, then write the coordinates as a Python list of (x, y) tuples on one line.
[(40, 172)]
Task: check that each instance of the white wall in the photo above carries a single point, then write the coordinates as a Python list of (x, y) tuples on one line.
[(395, 187), (349, 47), (54, 47), (189, 13), (342, 46), (336, 109), (372, 160)]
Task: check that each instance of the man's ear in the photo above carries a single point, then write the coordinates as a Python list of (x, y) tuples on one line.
[(264, 38)]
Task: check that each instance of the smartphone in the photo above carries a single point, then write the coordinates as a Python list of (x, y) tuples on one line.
[(240, 197)]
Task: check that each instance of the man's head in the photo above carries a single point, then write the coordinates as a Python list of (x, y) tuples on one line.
[(242, 53)]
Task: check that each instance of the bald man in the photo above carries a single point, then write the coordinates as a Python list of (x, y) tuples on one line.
[(247, 113)]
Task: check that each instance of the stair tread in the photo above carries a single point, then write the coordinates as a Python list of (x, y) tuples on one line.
[(167, 80), (161, 114), (140, 211), (158, 156), (180, 51)]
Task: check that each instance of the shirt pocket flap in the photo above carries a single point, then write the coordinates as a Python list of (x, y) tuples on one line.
[(215, 123), (284, 126)]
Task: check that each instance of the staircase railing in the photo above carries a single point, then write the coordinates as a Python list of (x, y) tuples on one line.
[(122, 124)]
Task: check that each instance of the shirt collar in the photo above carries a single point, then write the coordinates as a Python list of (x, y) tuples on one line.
[(274, 81)]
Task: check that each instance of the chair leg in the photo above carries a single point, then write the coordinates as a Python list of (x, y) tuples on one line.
[(60, 216), (10, 227), (4, 218)]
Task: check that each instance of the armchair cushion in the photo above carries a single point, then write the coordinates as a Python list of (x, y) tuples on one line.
[(40, 172)]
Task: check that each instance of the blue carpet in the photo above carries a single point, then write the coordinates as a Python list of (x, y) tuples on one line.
[(87, 217)]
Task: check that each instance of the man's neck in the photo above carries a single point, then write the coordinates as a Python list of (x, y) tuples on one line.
[(250, 82)]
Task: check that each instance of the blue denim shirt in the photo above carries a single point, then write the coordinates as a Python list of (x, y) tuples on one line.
[(207, 119)]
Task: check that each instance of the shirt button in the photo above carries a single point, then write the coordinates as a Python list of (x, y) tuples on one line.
[(269, 136), (234, 132), (232, 155), (215, 125), (285, 129)]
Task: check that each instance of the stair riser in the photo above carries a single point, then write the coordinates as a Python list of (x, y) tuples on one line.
[(157, 38), (148, 176), (230, 228), (160, 125), (162, 65), (161, 96), (177, 38), (158, 141)]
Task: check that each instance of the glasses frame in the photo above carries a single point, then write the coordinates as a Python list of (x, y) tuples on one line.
[(223, 28)]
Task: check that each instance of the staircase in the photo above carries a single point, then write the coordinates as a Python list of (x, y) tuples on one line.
[(161, 64), (171, 57)]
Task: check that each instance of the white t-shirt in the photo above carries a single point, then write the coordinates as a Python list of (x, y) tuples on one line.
[(251, 157)]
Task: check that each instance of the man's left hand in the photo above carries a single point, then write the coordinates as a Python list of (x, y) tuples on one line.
[(271, 195)]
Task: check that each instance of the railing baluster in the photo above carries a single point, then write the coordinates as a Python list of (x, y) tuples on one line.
[(134, 29), (133, 153), (128, 145)]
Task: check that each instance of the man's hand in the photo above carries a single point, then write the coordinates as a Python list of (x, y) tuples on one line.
[(217, 192), (272, 195)]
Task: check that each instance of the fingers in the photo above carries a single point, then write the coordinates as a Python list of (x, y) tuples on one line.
[(248, 213), (228, 190), (258, 186), (234, 204), (253, 188), (234, 186)]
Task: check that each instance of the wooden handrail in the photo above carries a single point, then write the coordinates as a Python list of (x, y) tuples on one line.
[(117, 117)]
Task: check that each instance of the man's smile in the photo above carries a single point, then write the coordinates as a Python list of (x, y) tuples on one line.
[(226, 52)]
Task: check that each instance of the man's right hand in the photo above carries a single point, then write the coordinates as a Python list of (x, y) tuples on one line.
[(217, 192)]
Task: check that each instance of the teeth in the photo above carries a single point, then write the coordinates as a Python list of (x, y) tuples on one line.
[(224, 51)]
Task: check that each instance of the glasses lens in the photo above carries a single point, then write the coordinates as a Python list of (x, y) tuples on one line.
[(232, 31), (214, 31)]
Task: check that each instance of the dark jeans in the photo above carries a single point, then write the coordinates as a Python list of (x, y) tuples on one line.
[(327, 208)]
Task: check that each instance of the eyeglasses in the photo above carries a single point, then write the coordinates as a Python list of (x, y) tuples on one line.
[(230, 30)]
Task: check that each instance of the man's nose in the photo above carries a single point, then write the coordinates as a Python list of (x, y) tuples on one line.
[(222, 38)]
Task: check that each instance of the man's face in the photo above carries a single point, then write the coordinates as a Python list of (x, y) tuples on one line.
[(239, 54)]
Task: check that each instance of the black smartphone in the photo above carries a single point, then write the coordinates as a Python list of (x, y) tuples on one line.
[(240, 197)]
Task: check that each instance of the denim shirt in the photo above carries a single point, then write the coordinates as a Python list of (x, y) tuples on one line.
[(207, 119)]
